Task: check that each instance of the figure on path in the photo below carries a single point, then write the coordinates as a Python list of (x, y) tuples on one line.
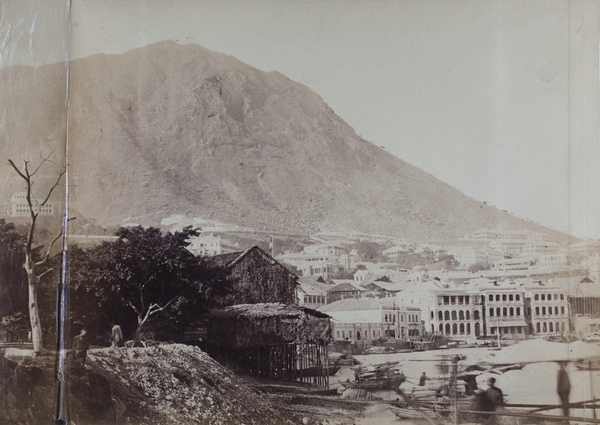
[(488, 401), (422, 379), (116, 337), (80, 347), (563, 387)]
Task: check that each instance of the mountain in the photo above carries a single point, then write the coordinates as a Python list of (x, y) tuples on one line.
[(177, 129)]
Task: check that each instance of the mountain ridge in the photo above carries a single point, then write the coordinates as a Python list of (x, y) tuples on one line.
[(171, 129)]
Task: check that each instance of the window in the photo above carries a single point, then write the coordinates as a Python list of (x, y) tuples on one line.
[(503, 297), (543, 297), (491, 312), (498, 311), (447, 315), (562, 310), (562, 297), (461, 299), (510, 297), (556, 310), (536, 297), (432, 315), (505, 311), (476, 314), (454, 315), (511, 312), (537, 311), (491, 298), (543, 311), (446, 300), (468, 315), (497, 297), (453, 300), (467, 299), (517, 297), (518, 311), (461, 315), (537, 327), (440, 315)]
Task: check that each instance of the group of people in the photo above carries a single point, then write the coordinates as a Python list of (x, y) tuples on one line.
[(81, 343), (490, 399)]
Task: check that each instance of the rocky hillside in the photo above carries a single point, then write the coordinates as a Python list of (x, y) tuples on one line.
[(169, 129)]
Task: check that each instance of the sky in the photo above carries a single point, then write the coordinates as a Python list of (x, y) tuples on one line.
[(496, 98)]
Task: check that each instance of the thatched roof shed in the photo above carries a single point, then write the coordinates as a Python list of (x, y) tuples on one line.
[(254, 325)]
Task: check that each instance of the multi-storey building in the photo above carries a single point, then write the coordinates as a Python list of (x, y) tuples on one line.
[(505, 310), (20, 206), (367, 319), (451, 310), (205, 245), (548, 308)]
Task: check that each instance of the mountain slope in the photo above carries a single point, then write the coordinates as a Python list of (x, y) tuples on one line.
[(171, 129)]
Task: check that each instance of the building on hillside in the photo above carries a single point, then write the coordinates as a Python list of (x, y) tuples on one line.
[(535, 247), (367, 319), (512, 264), (331, 250), (205, 245), (468, 255), (508, 246), (257, 278), (483, 235), (343, 289), (312, 292), (20, 206), (582, 250), (558, 261), (395, 253)]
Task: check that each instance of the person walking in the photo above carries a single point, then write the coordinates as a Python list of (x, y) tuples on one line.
[(563, 387), (116, 337), (80, 347)]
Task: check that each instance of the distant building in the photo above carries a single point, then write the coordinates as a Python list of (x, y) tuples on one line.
[(20, 206), (548, 306), (367, 319), (205, 245)]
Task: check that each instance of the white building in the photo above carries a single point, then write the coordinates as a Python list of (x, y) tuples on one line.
[(205, 245), (20, 206)]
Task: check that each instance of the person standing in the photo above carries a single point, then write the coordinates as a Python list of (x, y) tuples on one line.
[(422, 379), (80, 347), (563, 387), (116, 336)]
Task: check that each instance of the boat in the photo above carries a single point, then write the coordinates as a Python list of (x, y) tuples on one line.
[(379, 376), (319, 371)]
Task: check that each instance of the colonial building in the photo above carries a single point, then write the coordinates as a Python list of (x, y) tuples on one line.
[(368, 319), (549, 308)]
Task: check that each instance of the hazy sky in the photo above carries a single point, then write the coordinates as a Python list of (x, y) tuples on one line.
[(496, 98)]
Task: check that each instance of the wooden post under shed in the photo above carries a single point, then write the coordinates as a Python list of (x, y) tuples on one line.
[(272, 340)]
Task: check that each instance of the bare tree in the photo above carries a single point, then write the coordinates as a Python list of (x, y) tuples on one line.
[(35, 270)]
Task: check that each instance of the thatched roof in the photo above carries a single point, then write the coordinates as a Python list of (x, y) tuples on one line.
[(252, 325)]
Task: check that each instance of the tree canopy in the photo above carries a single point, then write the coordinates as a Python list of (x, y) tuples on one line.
[(146, 272)]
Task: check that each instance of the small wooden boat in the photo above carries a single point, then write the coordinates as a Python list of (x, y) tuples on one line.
[(319, 371), (380, 376)]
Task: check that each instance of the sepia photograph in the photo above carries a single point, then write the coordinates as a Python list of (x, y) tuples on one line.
[(279, 212)]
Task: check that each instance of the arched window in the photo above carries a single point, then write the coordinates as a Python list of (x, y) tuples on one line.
[(504, 311), (477, 329), (441, 327), (511, 311), (447, 328), (461, 315), (518, 311), (537, 327), (432, 316), (468, 315), (543, 311), (454, 315), (462, 328), (468, 329), (498, 311), (440, 315), (537, 311), (447, 315), (491, 311), (551, 326), (557, 328), (454, 329), (544, 327), (476, 314), (556, 310)]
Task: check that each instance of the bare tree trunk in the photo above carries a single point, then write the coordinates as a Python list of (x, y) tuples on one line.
[(34, 315)]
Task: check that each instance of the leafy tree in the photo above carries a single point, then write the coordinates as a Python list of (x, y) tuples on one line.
[(450, 262), (13, 280), (474, 268), (149, 273)]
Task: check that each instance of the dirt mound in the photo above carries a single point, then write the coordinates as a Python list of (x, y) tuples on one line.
[(167, 384)]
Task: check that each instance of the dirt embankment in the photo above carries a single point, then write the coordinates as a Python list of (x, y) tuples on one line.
[(167, 384)]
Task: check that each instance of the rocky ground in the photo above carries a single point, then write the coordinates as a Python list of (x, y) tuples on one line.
[(166, 384)]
